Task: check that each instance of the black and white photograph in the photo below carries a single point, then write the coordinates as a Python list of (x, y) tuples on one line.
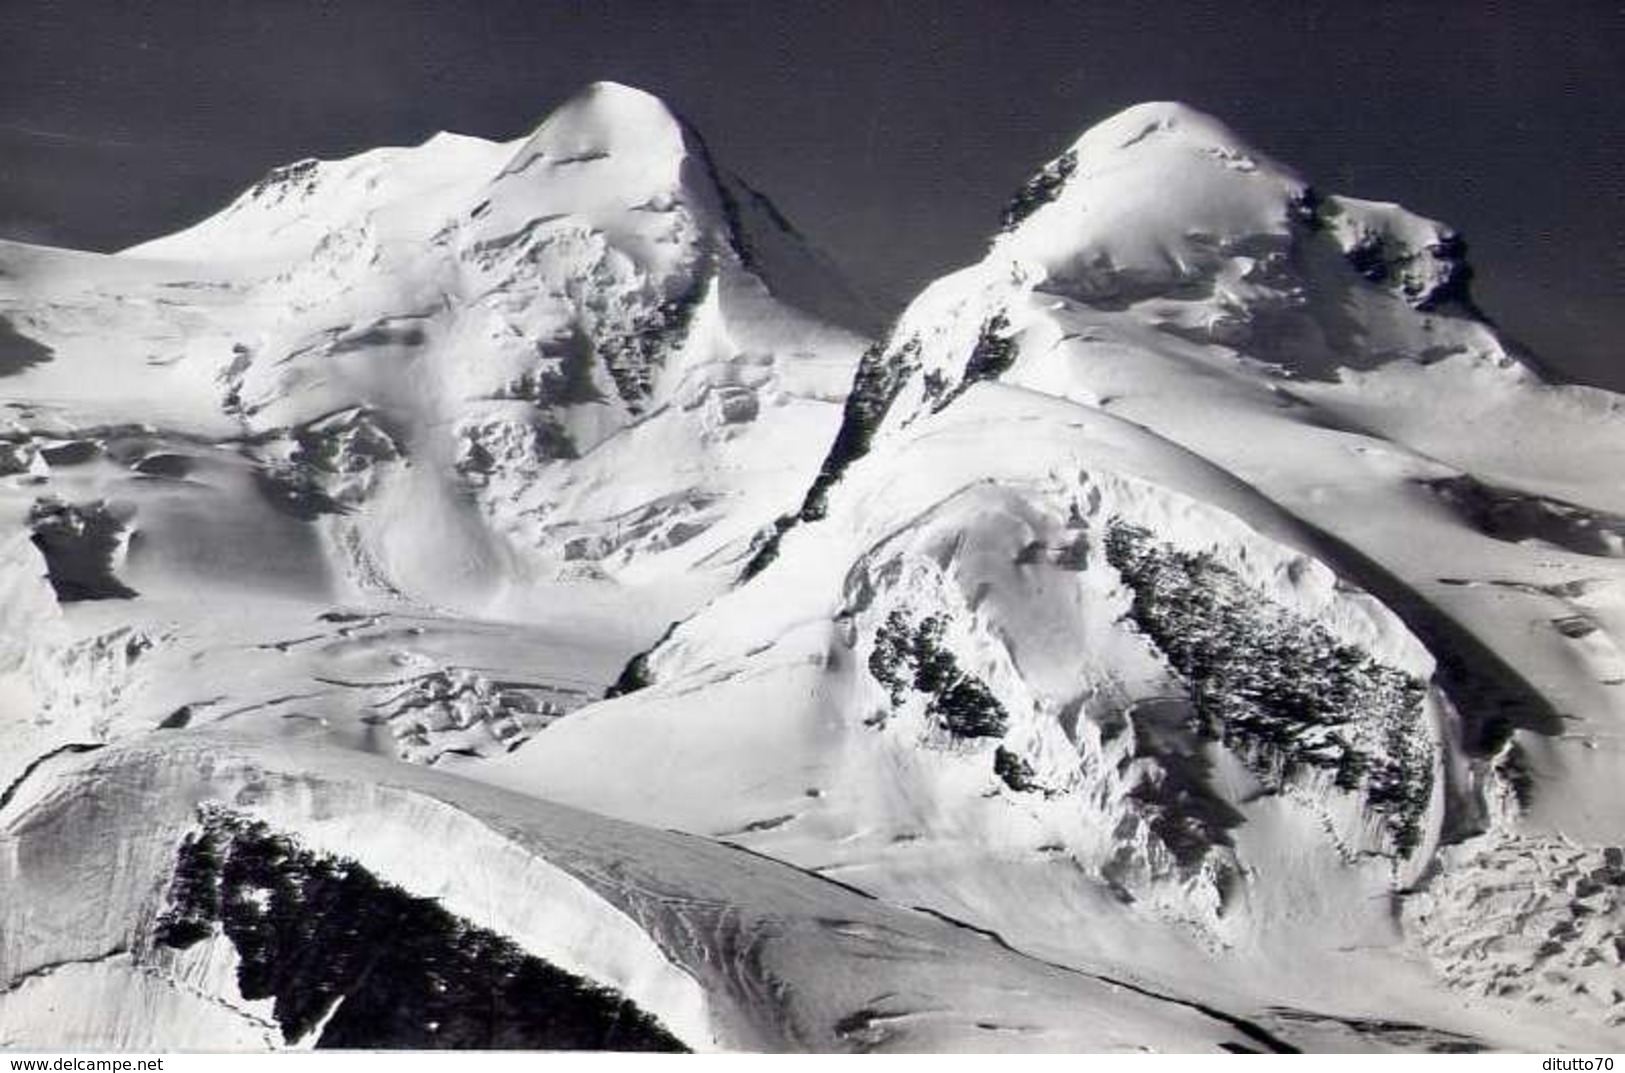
[(831, 526)]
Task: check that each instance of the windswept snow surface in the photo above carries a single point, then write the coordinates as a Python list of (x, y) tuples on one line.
[(1191, 626)]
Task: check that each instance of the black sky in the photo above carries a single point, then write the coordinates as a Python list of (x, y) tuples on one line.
[(891, 132)]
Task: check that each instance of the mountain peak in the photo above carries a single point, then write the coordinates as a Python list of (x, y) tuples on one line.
[(1165, 120), (608, 92), (1148, 200), (1162, 199), (602, 120)]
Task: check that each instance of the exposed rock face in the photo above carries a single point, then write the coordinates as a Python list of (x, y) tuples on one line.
[(83, 543), (349, 961)]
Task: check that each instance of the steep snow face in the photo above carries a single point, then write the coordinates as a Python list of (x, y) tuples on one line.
[(1169, 569), (1354, 391), (609, 120), (33, 644), (1167, 210), (1054, 662), (176, 860), (383, 404), (498, 321), (1157, 199)]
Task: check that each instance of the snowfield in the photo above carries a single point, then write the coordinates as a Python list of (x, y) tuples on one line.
[(1191, 626)]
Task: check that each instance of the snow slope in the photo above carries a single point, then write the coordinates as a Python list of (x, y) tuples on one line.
[(1200, 561), (722, 947), (458, 426), (1191, 626)]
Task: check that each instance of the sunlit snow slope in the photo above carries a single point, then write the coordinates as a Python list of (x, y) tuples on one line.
[(1196, 585), (408, 450), (257, 884), (1191, 626)]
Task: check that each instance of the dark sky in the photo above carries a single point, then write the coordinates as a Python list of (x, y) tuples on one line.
[(890, 132)]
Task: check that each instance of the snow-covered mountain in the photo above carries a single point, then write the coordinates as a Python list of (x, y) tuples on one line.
[(462, 424), (1199, 565), (1190, 626)]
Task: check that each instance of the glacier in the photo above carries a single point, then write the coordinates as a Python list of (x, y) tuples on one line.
[(1190, 626)]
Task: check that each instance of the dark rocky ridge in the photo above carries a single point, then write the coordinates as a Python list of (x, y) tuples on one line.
[(1279, 689), (368, 965)]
